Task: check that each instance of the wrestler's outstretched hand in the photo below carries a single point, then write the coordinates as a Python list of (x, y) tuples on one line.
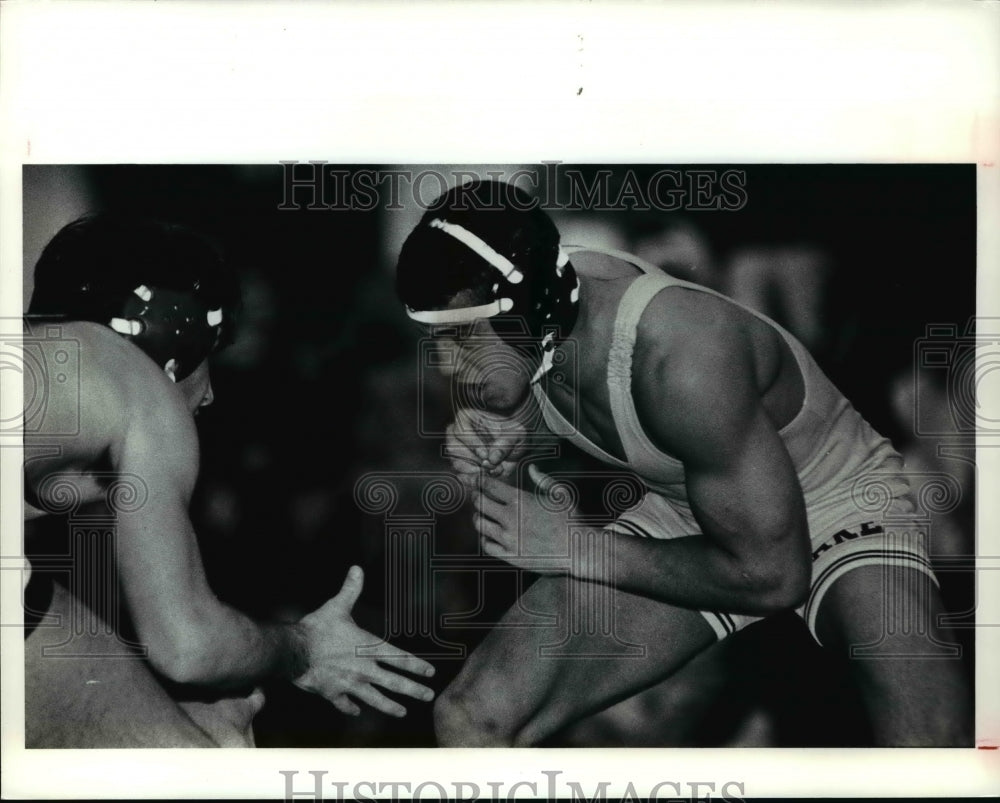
[(479, 442), (346, 662)]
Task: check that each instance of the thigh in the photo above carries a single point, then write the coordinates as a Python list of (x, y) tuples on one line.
[(672, 713), (885, 621), (885, 611), (101, 696), (602, 646), (227, 720)]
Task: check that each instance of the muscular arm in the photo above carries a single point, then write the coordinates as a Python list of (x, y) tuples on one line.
[(191, 636), (194, 638), (133, 417), (699, 402), (697, 397)]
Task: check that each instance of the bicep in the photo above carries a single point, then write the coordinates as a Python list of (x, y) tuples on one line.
[(745, 493), (158, 557), (741, 483)]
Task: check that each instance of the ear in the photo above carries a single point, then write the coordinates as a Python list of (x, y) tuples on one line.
[(171, 368)]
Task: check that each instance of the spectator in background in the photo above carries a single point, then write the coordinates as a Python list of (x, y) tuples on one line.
[(676, 245), (789, 284)]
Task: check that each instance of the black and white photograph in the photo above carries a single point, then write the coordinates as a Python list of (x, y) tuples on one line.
[(449, 392), (330, 464)]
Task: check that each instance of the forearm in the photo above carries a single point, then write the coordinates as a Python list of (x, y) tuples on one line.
[(321, 653), (689, 571), (223, 648), (260, 650)]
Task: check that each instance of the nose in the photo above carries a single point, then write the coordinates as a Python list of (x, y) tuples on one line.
[(209, 396)]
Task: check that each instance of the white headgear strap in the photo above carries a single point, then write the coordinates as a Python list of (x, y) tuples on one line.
[(481, 247), (462, 315), (501, 305)]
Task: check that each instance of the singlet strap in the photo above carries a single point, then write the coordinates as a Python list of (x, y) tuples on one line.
[(640, 452), (633, 304), (556, 422), (619, 378)]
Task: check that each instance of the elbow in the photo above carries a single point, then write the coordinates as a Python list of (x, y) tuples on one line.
[(788, 594), (775, 589), (187, 669), (183, 656)]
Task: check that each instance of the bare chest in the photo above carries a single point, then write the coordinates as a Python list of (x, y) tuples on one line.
[(583, 397)]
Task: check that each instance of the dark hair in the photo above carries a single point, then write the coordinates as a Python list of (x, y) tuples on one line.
[(434, 267), (92, 265)]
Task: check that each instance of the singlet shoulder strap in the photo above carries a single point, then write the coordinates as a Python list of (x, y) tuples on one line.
[(638, 449), (619, 373), (630, 310)]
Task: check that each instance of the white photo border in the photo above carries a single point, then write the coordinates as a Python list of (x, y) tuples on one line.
[(388, 82)]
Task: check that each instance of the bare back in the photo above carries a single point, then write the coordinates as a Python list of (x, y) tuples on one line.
[(69, 457)]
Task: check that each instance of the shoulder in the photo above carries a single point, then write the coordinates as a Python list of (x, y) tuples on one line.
[(117, 391), (693, 369), (596, 264), (690, 330)]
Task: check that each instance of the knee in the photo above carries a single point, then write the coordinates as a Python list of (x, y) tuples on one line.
[(463, 719)]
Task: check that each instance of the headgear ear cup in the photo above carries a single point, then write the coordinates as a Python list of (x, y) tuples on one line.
[(170, 325), (162, 287)]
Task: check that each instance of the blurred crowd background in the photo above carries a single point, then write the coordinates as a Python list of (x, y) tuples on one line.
[(324, 387)]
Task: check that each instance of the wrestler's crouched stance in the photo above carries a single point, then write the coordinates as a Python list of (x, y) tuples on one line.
[(913, 698), (144, 304), (753, 460)]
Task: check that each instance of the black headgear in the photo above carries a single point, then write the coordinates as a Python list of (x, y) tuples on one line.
[(160, 286), (508, 253), (170, 325)]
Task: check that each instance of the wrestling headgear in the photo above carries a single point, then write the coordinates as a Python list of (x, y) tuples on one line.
[(489, 238), (160, 286)]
